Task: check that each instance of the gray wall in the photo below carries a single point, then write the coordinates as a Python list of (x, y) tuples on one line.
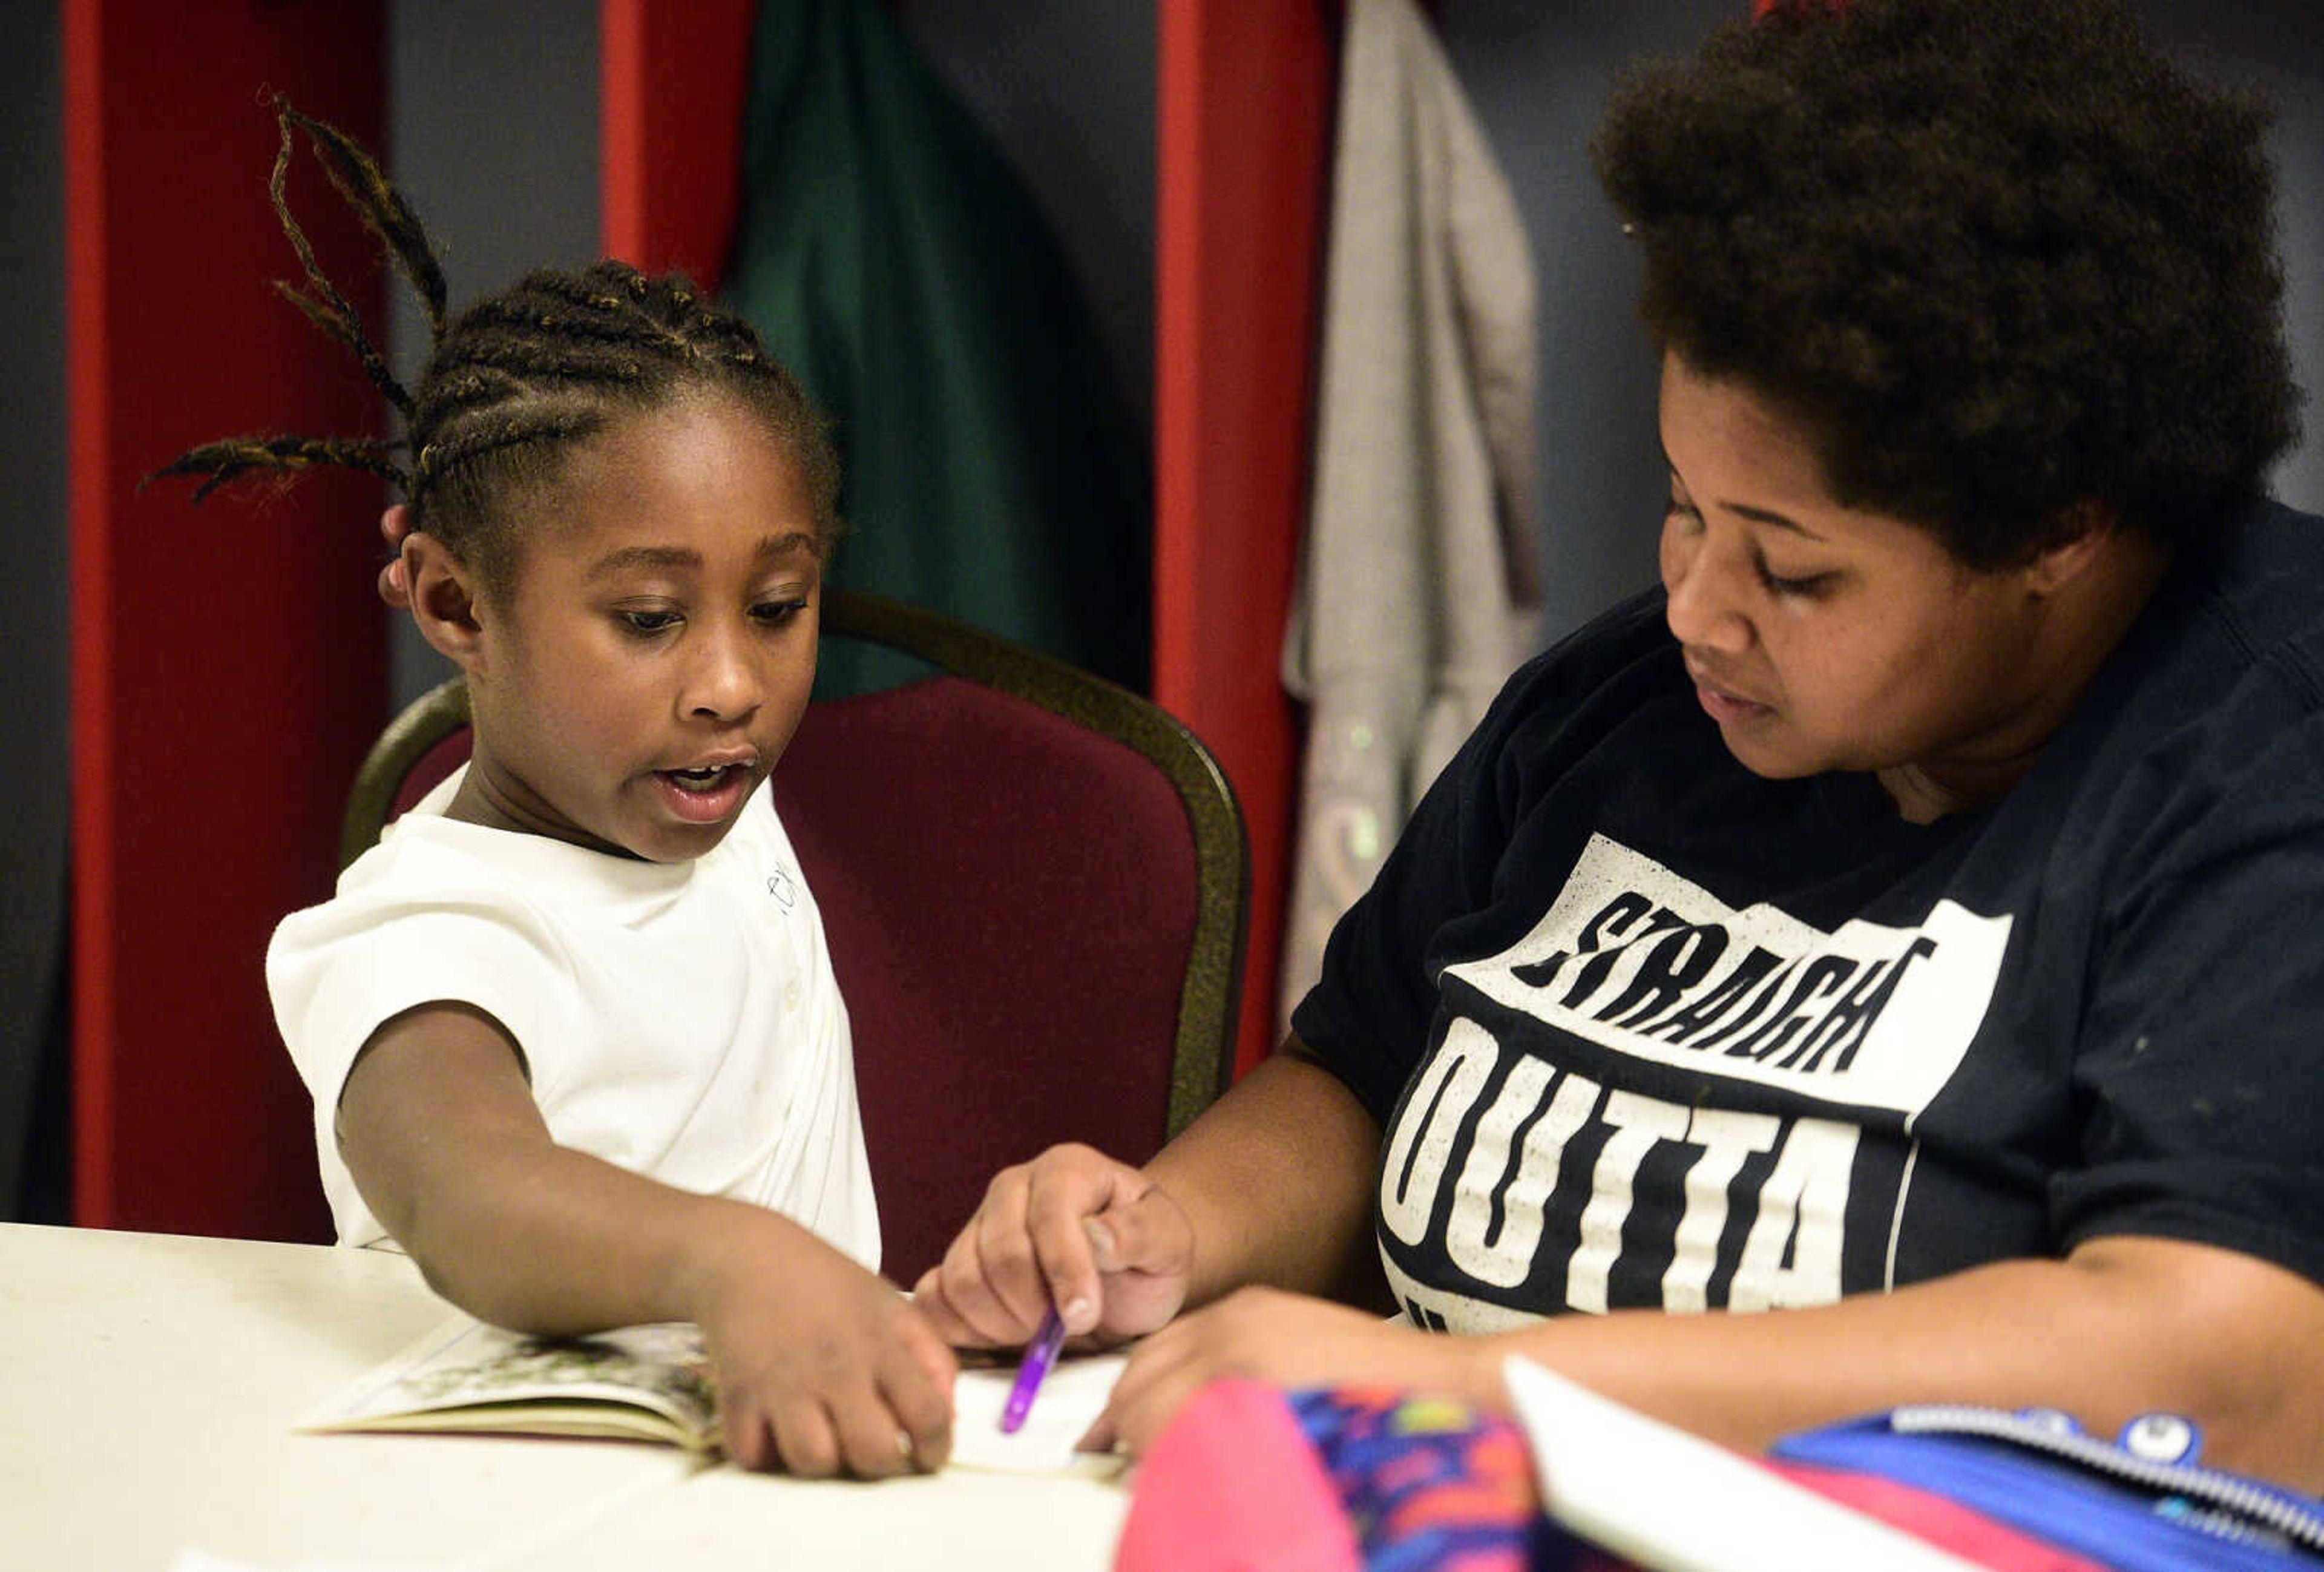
[(1066, 88), (2277, 46), (492, 134), (33, 657)]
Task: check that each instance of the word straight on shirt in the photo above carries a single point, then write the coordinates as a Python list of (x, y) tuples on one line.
[(1642, 962)]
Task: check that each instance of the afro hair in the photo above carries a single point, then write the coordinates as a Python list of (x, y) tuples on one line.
[(2001, 257)]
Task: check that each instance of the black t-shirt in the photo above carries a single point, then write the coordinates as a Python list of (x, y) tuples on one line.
[(1643, 1028)]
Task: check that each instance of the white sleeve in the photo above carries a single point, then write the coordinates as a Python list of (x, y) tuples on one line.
[(337, 971)]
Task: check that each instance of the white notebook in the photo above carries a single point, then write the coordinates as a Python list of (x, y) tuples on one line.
[(1675, 1503)]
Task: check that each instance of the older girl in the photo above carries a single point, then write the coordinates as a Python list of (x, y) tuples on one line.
[(1903, 922)]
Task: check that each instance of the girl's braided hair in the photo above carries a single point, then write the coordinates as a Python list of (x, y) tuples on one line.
[(2001, 256), (515, 380)]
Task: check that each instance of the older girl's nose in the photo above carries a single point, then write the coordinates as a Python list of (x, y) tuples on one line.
[(1702, 586)]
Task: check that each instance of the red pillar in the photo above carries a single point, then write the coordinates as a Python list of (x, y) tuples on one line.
[(229, 664), (1245, 101), (674, 80)]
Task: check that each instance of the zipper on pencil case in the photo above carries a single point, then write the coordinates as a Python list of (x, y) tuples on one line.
[(2213, 1500)]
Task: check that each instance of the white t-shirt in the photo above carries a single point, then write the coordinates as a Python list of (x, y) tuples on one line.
[(678, 1020)]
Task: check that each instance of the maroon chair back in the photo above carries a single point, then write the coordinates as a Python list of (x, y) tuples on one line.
[(1010, 901), (429, 771)]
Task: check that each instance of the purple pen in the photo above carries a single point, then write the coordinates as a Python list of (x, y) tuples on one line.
[(1039, 1354)]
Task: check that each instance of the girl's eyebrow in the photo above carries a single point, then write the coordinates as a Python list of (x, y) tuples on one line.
[(685, 558), (633, 556), (787, 545)]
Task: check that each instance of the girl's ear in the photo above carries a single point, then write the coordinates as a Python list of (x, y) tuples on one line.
[(2083, 531), (445, 597)]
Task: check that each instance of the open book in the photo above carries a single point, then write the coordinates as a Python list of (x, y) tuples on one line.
[(653, 1383)]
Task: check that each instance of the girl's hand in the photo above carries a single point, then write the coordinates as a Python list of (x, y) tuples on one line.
[(823, 1368), (1287, 1340), (395, 579), (1074, 1228)]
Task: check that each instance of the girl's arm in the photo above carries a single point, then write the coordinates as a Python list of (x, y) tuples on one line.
[(821, 1364)]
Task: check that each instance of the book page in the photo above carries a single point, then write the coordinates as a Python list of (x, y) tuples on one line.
[(1072, 1396), (645, 1382), (653, 1383)]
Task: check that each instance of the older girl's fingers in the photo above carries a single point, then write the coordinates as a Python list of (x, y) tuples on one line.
[(1029, 1246), (1148, 1235), (957, 1294), (1153, 1387), (1007, 1252), (1074, 1195), (959, 1301)]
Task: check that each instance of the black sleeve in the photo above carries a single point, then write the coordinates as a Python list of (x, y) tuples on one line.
[(1368, 1017), (2205, 1032)]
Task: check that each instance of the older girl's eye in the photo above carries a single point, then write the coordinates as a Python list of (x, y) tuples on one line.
[(644, 622), (1806, 587), (775, 614)]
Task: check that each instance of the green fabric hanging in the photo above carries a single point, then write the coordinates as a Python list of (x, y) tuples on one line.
[(897, 265)]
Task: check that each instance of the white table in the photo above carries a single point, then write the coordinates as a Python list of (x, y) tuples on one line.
[(148, 1383)]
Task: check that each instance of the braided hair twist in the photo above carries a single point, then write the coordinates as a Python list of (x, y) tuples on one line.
[(514, 381)]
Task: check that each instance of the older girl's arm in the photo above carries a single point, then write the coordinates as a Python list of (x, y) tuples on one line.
[(2123, 1326)]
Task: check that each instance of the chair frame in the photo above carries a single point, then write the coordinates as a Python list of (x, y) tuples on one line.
[(1203, 1058)]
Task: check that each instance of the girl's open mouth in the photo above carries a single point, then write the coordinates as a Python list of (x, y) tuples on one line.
[(707, 794)]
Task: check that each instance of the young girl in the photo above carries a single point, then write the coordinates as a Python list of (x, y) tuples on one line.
[(572, 1034)]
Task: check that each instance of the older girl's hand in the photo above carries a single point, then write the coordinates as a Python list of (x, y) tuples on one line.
[(1074, 1228), (1287, 1340)]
